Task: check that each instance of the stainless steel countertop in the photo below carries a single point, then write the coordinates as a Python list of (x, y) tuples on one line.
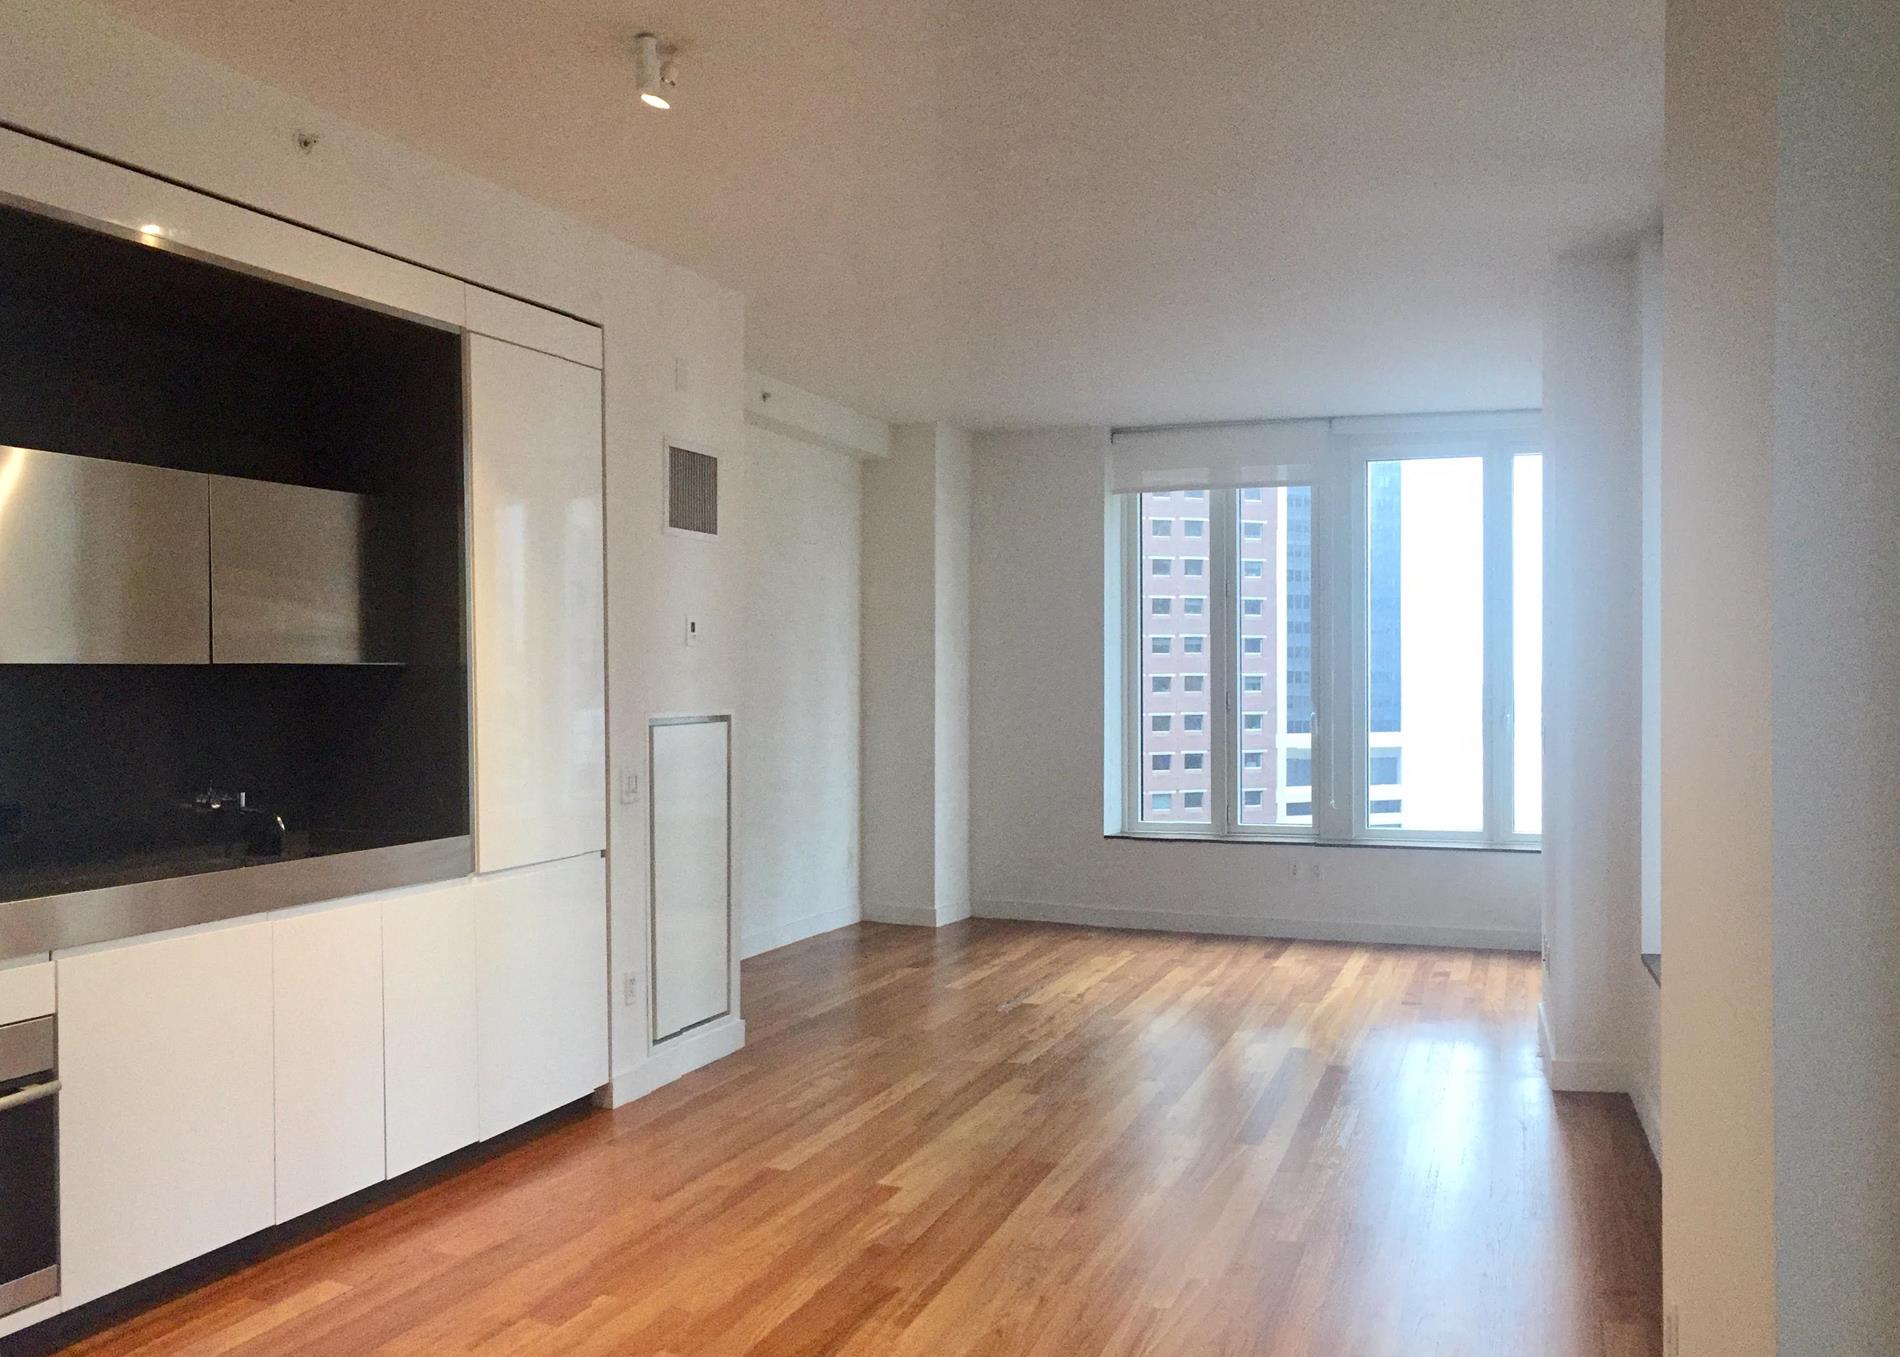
[(47, 923)]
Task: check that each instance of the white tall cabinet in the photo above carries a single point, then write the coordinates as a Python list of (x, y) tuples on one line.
[(538, 585)]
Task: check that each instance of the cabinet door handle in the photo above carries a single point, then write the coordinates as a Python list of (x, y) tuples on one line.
[(31, 1094)]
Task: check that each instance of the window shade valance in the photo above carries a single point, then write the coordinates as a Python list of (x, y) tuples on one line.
[(1217, 456)]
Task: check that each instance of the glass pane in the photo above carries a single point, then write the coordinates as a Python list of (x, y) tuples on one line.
[(1176, 786), (1425, 660), (1274, 735), (1527, 641)]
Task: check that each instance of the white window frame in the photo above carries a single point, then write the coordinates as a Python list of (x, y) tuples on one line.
[(1340, 742)]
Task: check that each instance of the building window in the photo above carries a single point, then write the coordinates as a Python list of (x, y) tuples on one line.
[(1161, 802), (1160, 607), (1161, 565), (1161, 683), (1160, 645), (1409, 709), (1160, 725), (1161, 527), (1161, 762)]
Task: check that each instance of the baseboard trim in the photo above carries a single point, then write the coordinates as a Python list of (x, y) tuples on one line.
[(1293, 930), (1650, 1115), (913, 916), (1578, 1076), (674, 1059), (797, 930)]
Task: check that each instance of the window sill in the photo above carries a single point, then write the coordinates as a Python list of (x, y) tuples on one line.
[(1264, 841), (1652, 962)]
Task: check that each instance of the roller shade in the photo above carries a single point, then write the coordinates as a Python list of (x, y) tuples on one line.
[(1216, 456)]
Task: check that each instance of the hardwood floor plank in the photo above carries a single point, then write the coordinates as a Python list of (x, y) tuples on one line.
[(1025, 1140)]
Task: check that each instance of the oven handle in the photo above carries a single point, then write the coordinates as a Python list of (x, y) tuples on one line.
[(31, 1094)]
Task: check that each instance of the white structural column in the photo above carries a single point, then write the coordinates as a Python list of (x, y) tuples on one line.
[(1836, 569), (916, 637), (1592, 658)]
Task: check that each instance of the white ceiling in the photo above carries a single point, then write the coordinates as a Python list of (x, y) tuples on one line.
[(1045, 211)]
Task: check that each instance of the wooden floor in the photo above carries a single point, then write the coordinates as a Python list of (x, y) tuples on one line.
[(1008, 1139)]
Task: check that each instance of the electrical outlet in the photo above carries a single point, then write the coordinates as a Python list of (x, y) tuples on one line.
[(629, 786), (692, 631), (630, 991)]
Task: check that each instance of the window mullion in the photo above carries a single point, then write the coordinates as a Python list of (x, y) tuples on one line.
[(1224, 777), (1133, 699), (1498, 748)]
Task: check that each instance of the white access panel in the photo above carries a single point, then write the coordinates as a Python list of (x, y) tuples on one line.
[(541, 989), (166, 1129), (429, 1025), (538, 593), (690, 784), (328, 1001)]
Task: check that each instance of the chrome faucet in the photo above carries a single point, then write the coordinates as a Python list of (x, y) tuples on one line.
[(263, 832)]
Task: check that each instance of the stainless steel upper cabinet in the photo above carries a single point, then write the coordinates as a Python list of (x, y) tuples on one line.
[(300, 576), (101, 562)]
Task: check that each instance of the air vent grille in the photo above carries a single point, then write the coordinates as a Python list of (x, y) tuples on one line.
[(692, 491)]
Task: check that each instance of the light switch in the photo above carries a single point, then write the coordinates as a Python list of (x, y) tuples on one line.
[(629, 786), (692, 631)]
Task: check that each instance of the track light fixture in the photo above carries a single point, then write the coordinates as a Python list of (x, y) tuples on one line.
[(657, 77)]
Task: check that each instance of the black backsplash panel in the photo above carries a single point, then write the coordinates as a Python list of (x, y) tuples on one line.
[(111, 348)]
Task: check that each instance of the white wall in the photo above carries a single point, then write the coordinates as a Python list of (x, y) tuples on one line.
[(951, 889), (1717, 592), (1836, 545), (1645, 1050), (1038, 550), (799, 761), (674, 346), (1593, 666)]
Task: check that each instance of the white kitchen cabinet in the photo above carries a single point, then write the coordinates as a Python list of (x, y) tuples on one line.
[(166, 1108), (537, 577), (328, 1005), (429, 1025), (692, 898), (541, 966)]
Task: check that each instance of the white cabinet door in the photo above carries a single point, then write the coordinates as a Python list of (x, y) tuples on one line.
[(692, 914), (165, 1114), (541, 966), (429, 1025), (328, 1003), (538, 589)]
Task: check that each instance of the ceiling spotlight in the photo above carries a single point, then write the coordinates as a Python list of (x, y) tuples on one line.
[(657, 78)]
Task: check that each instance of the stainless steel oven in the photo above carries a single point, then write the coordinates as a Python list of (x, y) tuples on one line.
[(29, 1164)]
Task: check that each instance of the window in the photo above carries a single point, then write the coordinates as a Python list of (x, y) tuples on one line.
[(1160, 725), (1161, 802), (1160, 607), (1161, 762), (1162, 565), (1375, 664), (1161, 527)]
